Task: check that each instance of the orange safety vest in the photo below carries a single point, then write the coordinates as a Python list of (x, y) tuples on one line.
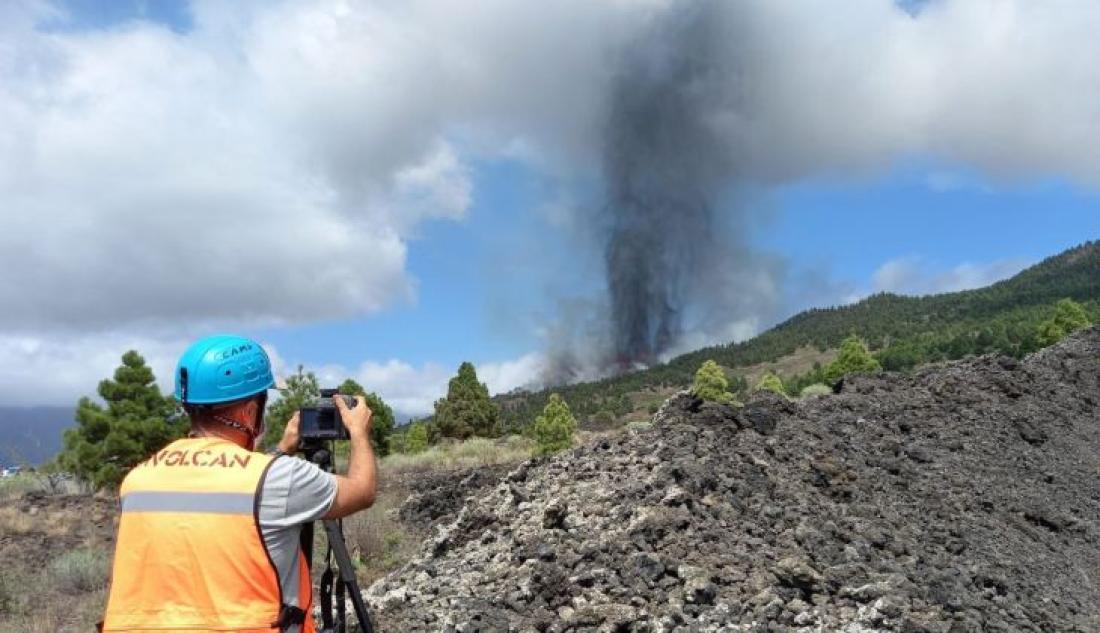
[(190, 556)]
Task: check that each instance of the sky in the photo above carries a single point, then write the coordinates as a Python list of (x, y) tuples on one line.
[(384, 190)]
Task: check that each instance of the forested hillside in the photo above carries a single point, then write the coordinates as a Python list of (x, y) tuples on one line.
[(903, 332)]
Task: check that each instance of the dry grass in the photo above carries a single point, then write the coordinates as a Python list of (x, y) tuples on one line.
[(80, 571), (472, 453), (56, 613), (68, 595), (18, 485), (14, 521), (378, 541), (797, 363)]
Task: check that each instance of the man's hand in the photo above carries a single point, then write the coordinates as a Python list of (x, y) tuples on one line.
[(289, 443), (356, 420), (356, 490)]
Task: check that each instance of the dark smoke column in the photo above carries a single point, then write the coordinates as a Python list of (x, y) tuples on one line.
[(660, 166)]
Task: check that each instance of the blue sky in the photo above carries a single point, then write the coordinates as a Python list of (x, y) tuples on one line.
[(413, 178), (935, 216)]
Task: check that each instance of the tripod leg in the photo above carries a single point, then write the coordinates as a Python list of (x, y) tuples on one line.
[(347, 573)]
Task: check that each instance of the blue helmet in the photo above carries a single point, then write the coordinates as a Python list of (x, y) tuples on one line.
[(222, 368)]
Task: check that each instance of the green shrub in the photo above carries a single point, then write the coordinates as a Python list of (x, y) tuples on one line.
[(553, 430), (1069, 316), (416, 440), (771, 382), (711, 383), (854, 358), (80, 570), (638, 426), (815, 390)]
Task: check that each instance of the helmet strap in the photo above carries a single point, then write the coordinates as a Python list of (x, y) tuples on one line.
[(253, 434)]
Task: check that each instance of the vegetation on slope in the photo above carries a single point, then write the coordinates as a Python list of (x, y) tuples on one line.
[(903, 332)]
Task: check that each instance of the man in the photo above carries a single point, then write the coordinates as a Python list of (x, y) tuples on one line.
[(208, 539)]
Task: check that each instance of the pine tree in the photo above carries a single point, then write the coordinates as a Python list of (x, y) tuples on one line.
[(711, 384), (467, 409), (771, 382), (138, 420), (854, 358), (382, 420), (553, 430), (416, 438), (301, 390)]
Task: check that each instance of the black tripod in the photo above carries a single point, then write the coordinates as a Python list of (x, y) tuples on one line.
[(344, 580)]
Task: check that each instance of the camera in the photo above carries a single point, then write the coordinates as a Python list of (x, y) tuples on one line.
[(322, 421)]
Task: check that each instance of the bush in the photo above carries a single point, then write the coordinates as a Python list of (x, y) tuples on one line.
[(416, 439), (638, 426), (815, 390), (1069, 316), (80, 570), (553, 430), (711, 383), (771, 382)]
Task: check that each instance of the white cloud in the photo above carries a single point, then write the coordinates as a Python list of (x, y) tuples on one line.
[(270, 165), (412, 390), (915, 276), (60, 369), (149, 176)]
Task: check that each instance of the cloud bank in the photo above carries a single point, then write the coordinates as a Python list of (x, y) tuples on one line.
[(271, 164)]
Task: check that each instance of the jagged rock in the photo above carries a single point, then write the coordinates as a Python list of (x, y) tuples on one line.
[(959, 498)]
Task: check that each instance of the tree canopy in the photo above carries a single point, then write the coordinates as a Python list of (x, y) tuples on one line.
[(711, 383), (854, 358), (553, 430), (301, 390), (137, 421), (467, 409), (382, 420), (416, 438)]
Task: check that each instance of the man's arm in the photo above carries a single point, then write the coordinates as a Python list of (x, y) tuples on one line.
[(356, 490)]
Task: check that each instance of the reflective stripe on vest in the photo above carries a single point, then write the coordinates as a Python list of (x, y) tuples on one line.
[(189, 554)]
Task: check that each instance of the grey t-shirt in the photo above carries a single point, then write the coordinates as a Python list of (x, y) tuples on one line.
[(295, 492)]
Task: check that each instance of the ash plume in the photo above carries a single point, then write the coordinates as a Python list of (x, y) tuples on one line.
[(664, 168)]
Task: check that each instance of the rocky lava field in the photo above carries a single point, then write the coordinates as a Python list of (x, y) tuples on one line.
[(964, 497)]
